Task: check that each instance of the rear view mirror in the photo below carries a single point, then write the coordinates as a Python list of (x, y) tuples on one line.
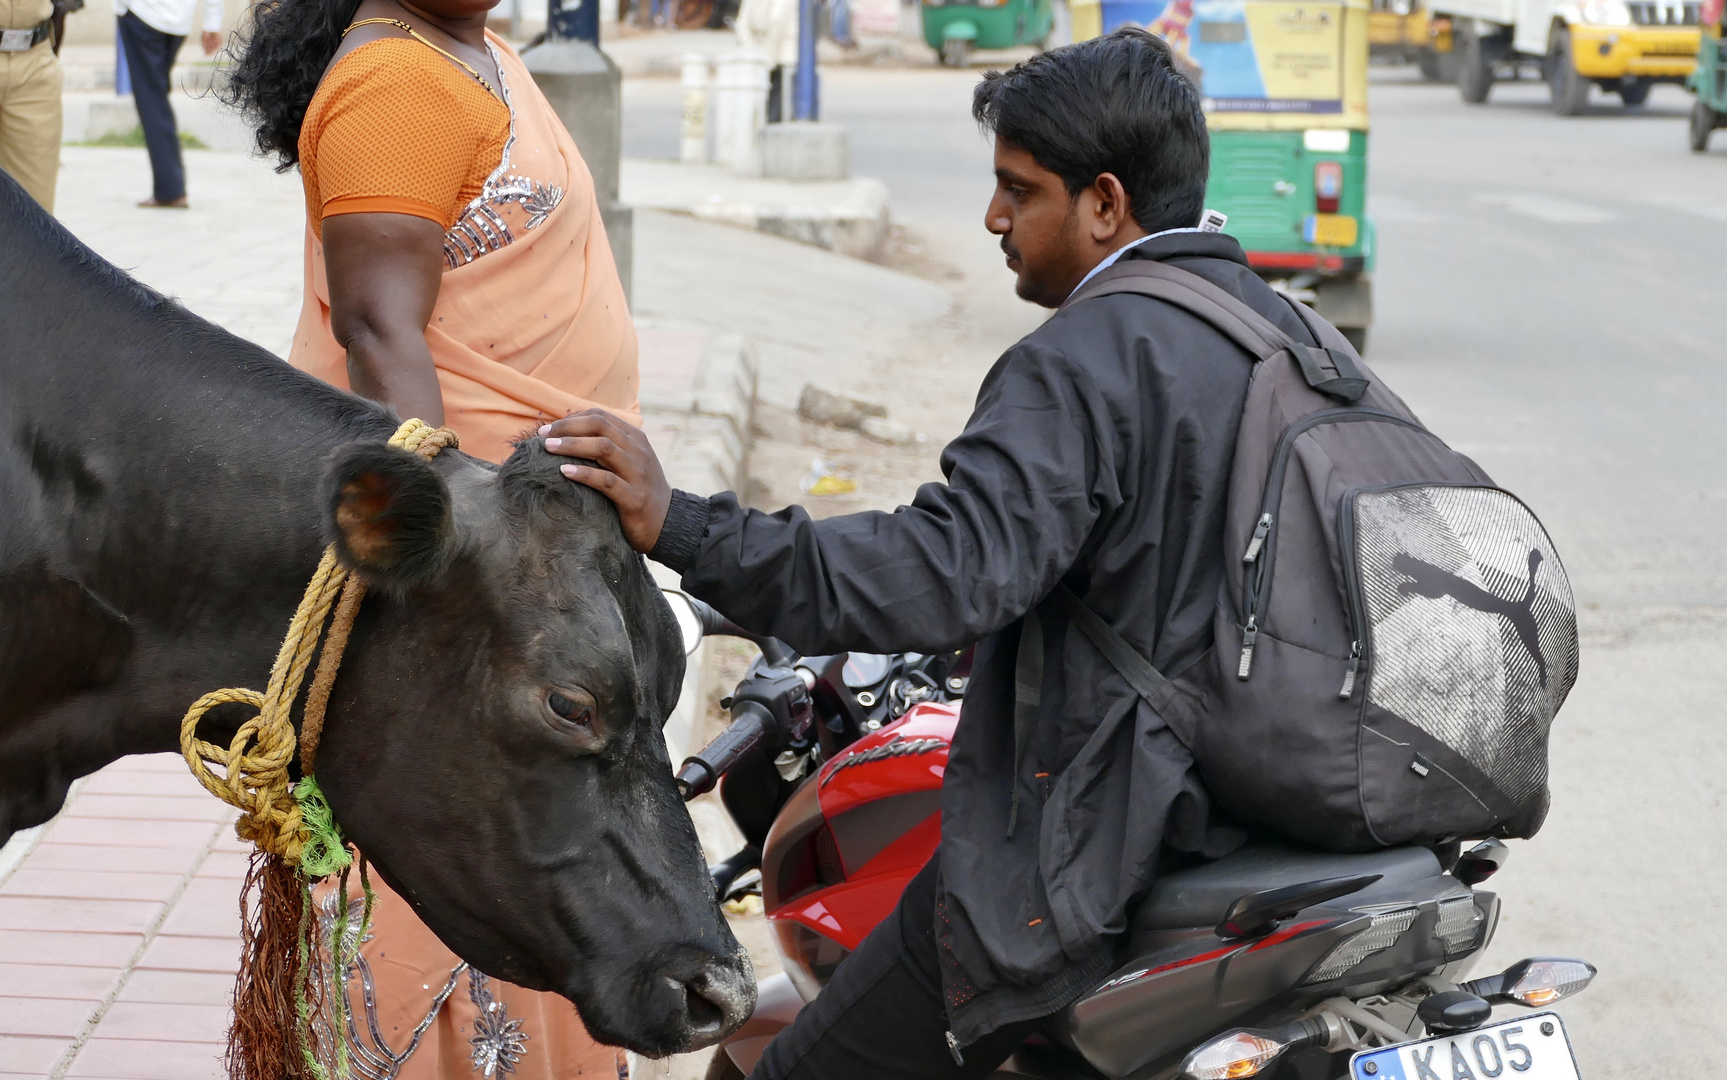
[(689, 623)]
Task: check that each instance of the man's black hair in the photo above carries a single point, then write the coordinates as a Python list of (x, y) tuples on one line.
[(1115, 104)]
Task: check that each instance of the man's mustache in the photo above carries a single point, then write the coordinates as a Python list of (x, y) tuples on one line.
[(1008, 249)]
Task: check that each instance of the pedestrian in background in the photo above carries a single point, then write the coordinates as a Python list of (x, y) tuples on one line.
[(151, 32), (770, 27), (30, 80)]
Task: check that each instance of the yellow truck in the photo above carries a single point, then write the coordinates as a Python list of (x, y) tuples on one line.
[(1405, 31), (1622, 46)]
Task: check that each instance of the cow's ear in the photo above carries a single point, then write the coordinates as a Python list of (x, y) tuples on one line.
[(388, 513)]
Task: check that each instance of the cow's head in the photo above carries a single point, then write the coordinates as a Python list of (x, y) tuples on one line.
[(494, 741)]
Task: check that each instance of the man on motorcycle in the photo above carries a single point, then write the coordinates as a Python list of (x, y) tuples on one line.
[(1098, 456)]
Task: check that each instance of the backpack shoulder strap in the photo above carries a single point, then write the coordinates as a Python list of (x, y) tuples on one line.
[(1330, 371), (1324, 334), (1249, 329), (1148, 682)]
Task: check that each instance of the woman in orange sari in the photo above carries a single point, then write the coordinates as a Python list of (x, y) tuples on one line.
[(458, 271)]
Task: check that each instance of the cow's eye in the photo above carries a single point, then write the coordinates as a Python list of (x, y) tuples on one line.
[(577, 709)]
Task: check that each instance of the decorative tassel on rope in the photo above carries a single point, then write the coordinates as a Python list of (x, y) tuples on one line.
[(278, 996)]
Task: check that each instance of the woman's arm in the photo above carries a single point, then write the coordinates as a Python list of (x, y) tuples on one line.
[(384, 271)]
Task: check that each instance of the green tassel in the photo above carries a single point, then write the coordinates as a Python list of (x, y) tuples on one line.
[(303, 1006), (325, 851), (338, 983)]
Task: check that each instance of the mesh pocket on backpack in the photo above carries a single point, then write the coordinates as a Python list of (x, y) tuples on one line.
[(1471, 626)]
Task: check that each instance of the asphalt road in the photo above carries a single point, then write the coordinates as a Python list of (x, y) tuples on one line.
[(1549, 299)]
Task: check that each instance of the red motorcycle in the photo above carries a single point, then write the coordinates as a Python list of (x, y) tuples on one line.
[(1275, 961)]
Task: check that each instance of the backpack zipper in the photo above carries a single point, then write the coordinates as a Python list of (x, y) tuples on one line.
[(1350, 672), (1351, 590), (1257, 579)]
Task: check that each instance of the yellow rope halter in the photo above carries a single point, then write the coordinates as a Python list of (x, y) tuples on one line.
[(254, 766)]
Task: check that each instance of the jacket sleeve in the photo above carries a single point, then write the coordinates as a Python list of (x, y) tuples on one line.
[(1025, 487)]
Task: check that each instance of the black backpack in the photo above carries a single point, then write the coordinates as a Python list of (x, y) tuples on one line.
[(1394, 633)]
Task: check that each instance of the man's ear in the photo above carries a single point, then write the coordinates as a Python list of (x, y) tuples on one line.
[(388, 513), (1114, 209)]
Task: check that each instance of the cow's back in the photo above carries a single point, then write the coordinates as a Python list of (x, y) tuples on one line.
[(158, 481)]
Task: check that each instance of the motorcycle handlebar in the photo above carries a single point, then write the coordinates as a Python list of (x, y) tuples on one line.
[(750, 725)]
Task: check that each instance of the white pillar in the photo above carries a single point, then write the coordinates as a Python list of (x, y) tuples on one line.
[(693, 149), (740, 102)]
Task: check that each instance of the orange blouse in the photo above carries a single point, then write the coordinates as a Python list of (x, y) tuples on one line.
[(530, 322), (362, 152)]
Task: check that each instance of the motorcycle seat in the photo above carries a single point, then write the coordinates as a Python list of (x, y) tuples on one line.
[(1200, 895)]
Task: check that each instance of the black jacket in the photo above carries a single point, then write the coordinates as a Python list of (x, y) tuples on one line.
[(1098, 454)]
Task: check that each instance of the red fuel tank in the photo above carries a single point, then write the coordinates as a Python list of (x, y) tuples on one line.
[(846, 844)]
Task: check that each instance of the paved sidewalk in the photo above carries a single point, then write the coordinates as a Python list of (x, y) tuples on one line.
[(119, 931)]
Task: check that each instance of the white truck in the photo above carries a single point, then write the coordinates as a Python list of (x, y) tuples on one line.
[(1622, 46)]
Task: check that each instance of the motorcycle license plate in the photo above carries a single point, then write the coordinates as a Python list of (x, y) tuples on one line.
[(1530, 1047)]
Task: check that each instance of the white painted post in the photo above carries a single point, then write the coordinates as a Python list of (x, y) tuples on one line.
[(740, 110), (693, 149)]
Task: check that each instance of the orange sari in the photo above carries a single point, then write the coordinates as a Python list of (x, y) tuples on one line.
[(530, 325)]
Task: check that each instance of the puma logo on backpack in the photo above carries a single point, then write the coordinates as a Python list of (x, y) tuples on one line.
[(1394, 633), (1428, 580)]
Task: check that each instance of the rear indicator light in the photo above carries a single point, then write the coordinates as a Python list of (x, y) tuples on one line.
[(1327, 186), (1534, 982), (1389, 924), (1240, 1053), (1252, 1051), (1547, 981)]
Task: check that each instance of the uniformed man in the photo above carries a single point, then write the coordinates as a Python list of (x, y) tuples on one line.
[(30, 79)]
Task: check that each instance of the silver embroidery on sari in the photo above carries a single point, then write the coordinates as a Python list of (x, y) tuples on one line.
[(482, 228), (498, 1041)]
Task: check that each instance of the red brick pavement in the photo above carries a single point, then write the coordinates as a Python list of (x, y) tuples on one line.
[(119, 932)]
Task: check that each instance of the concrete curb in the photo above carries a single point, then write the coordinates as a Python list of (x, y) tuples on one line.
[(848, 217), (712, 414), (708, 421), (857, 227)]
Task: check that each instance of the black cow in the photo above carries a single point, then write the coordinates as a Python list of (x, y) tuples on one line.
[(493, 741)]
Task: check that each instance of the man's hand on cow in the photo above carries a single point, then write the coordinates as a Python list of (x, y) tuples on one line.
[(629, 471)]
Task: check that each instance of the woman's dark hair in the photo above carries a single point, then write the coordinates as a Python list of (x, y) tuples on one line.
[(1115, 104), (281, 57)]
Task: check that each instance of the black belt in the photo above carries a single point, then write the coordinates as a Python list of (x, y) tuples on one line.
[(25, 40)]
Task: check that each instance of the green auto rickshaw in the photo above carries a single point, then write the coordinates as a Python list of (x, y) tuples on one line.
[(1284, 88), (954, 28), (1709, 80)]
